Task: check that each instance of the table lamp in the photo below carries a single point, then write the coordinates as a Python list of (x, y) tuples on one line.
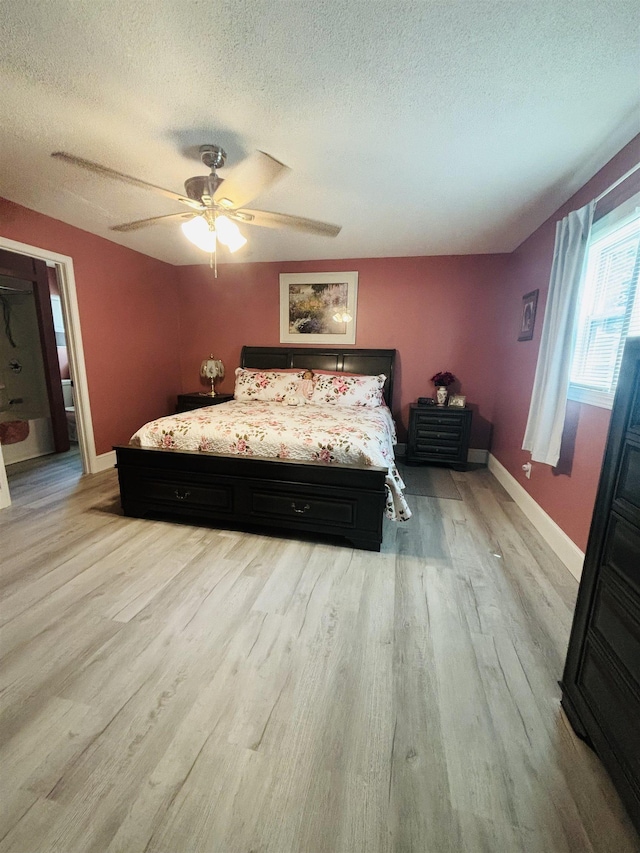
[(211, 368)]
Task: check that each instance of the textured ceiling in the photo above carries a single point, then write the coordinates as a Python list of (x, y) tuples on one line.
[(421, 127)]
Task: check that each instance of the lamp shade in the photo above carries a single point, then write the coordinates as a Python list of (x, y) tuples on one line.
[(229, 234), (197, 230), (212, 368)]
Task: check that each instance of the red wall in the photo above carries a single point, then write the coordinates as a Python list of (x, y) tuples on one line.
[(567, 497), (438, 312), (128, 308)]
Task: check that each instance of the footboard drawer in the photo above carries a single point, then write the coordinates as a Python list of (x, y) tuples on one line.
[(303, 507), (179, 494)]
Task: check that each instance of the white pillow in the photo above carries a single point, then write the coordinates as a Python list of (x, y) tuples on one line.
[(336, 389), (265, 385)]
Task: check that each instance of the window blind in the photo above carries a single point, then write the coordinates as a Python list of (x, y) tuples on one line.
[(610, 307)]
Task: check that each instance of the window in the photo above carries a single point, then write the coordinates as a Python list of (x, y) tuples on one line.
[(609, 307)]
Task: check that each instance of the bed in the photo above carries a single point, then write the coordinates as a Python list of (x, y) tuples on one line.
[(278, 493)]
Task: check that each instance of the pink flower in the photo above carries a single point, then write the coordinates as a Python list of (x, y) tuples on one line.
[(324, 455)]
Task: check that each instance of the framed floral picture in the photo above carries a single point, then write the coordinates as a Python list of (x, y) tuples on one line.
[(528, 319), (318, 308)]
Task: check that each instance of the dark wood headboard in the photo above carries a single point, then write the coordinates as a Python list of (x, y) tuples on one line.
[(369, 362)]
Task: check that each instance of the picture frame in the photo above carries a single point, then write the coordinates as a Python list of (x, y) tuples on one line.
[(309, 303), (528, 316), (458, 401)]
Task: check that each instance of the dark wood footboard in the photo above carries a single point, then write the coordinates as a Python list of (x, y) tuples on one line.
[(340, 500)]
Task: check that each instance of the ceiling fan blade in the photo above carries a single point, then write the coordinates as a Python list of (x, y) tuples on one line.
[(143, 223), (282, 220), (248, 179), (106, 172)]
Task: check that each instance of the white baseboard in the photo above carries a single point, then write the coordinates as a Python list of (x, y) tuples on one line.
[(102, 462), (564, 547)]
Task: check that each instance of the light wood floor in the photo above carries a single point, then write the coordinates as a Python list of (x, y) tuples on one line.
[(179, 689)]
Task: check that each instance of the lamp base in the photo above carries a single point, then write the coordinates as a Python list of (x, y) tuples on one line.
[(211, 393)]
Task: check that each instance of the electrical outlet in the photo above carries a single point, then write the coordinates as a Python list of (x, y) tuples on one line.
[(527, 470)]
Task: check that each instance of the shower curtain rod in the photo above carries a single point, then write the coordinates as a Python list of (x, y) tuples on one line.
[(14, 289)]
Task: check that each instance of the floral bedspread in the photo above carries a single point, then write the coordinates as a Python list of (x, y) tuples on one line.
[(344, 435)]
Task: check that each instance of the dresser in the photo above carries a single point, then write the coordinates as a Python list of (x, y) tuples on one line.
[(438, 434), (601, 680), (188, 402)]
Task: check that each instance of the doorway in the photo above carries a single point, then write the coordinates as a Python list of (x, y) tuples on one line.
[(32, 414), (62, 267)]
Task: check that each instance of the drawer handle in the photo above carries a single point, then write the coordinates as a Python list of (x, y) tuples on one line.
[(182, 496), (305, 508)]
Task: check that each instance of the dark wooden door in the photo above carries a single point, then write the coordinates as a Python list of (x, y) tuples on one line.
[(35, 271)]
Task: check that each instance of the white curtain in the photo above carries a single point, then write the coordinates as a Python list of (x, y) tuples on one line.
[(545, 424)]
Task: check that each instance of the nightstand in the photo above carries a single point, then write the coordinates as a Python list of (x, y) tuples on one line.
[(439, 434), (188, 402)]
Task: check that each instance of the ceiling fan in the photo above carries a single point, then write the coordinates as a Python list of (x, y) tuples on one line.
[(215, 203)]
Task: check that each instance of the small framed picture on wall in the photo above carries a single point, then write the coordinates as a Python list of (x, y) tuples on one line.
[(528, 318)]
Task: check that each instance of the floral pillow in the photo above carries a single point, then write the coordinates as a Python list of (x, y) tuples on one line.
[(337, 389), (265, 385)]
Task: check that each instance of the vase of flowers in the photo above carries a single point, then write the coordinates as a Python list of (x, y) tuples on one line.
[(442, 380)]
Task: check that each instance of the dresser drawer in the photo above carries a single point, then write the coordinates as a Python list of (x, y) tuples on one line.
[(427, 437), (434, 420), (615, 709), (443, 451), (622, 550), (616, 619), (180, 494), (303, 507), (628, 488), (452, 432)]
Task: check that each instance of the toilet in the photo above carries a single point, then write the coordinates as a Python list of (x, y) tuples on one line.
[(70, 409)]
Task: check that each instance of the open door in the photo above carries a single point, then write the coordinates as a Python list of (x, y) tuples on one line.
[(35, 271)]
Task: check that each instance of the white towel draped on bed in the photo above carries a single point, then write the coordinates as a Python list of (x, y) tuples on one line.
[(333, 434)]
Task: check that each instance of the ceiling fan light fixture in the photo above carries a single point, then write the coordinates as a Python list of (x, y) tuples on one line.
[(235, 243), (229, 234), (197, 230)]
